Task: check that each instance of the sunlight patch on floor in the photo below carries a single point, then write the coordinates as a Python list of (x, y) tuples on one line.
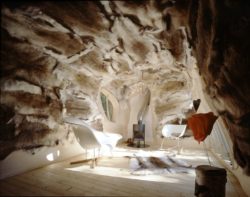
[(122, 173)]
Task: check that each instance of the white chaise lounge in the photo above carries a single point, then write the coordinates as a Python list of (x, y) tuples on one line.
[(89, 138)]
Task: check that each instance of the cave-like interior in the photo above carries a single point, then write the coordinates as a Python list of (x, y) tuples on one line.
[(111, 63)]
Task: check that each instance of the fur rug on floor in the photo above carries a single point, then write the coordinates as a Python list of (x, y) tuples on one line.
[(146, 165)]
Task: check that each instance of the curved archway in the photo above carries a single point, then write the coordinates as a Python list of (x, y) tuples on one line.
[(108, 105)]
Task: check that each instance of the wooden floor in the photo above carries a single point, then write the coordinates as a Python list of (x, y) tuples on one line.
[(111, 177)]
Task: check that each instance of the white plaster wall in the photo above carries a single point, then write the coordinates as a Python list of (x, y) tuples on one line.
[(120, 114), (121, 121), (20, 161), (149, 126), (124, 114), (135, 104), (113, 127)]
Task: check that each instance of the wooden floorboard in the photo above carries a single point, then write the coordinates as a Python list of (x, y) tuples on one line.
[(111, 177)]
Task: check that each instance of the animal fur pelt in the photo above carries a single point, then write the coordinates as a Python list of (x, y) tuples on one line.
[(158, 165)]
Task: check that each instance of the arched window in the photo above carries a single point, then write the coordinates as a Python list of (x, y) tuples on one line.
[(107, 106)]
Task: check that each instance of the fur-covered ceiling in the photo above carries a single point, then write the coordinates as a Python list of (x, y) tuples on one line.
[(55, 56)]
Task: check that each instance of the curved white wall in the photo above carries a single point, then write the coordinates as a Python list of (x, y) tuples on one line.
[(20, 161)]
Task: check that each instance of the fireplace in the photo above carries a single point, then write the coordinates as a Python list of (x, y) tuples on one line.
[(138, 134)]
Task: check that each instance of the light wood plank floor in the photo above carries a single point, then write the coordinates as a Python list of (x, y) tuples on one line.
[(111, 177)]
